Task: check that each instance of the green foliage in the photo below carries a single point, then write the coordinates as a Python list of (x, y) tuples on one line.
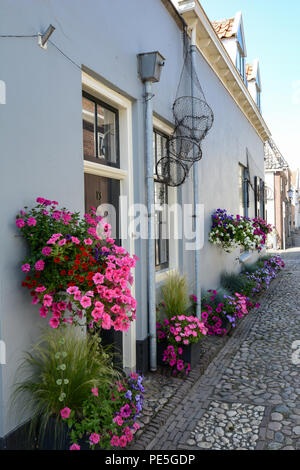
[(175, 298), (60, 371), (109, 413), (251, 268), (217, 298), (237, 283)]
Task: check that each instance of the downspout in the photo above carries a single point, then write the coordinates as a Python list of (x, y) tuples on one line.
[(150, 211), (196, 168)]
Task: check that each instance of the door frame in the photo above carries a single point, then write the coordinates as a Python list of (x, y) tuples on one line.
[(125, 175)]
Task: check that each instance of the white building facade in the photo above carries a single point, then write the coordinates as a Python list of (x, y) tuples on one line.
[(51, 146)]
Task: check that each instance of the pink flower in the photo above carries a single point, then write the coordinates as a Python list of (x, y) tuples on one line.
[(123, 441), (31, 221), (65, 412), (20, 223), (95, 391), (26, 268), (72, 290), (40, 289), (88, 241), (94, 438), (35, 299), (98, 278), (47, 301), (85, 301), (75, 447), (46, 250), (115, 441), (54, 322), (75, 240), (177, 338), (118, 420), (43, 312), (106, 322), (39, 265), (62, 242)]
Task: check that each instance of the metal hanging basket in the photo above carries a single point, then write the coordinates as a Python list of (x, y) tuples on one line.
[(193, 117), (185, 148), (171, 171)]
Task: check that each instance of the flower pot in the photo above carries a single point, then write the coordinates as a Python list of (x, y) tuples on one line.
[(190, 353), (62, 442)]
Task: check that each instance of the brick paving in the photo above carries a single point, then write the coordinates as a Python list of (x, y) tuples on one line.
[(246, 393)]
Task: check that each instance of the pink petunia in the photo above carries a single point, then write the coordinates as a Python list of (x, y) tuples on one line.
[(65, 412), (85, 301), (98, 278), (115, 441), (72, 290), (31, 221), (75, 447), (95, 391), (46, 251), (26, 268), (20, 223), (54, 322), (47, 300), (94, 438), (39, 265), (88, 241)]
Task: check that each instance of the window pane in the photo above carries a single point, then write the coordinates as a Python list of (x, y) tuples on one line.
[(106, 134), (88, 116)]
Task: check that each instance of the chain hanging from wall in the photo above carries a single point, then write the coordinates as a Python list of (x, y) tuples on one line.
[(193, 119)]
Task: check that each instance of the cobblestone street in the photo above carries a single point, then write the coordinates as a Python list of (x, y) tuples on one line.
[(249, 395)]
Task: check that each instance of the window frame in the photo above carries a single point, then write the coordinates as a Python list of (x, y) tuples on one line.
[(107, 106), (160, 265)]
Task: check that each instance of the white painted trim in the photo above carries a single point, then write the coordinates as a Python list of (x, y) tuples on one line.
[(104, 170), (162, 126), (125, 175)]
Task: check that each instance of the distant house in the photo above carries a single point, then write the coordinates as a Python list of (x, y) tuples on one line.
[(73, 130), (278, 205)]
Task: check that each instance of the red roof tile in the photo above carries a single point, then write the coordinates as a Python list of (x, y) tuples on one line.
[(224, 28)]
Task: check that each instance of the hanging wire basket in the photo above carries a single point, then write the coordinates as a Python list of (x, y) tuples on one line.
[(193, 117), (184, 148), (171, 171)]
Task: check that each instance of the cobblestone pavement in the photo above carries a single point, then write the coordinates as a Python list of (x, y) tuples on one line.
[(249, 395)]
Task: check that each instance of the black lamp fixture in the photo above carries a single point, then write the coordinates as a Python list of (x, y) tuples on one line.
[(150, 64)]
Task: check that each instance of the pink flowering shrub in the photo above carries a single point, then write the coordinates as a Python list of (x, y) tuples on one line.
[(75, 268), (178, 332), (109, 415), (219, 316)]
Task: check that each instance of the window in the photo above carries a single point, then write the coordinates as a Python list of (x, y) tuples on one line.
[(259, 197), (240, 63), (160, 145), (100, 132), (243, 190), (258, 100)]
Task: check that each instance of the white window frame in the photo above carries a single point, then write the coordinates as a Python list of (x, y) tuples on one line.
[(160, 276)]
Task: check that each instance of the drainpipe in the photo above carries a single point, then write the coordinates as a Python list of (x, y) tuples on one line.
[(150, 209), (150, 65), (196, 168)]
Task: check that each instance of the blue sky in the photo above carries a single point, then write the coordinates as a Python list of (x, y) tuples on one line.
[(272, 34)]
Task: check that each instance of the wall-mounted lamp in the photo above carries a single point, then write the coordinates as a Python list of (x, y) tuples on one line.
[(43, 38), (150, 64)]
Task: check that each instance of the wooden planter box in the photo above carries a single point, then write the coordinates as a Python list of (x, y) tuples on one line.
[(190, 353)]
